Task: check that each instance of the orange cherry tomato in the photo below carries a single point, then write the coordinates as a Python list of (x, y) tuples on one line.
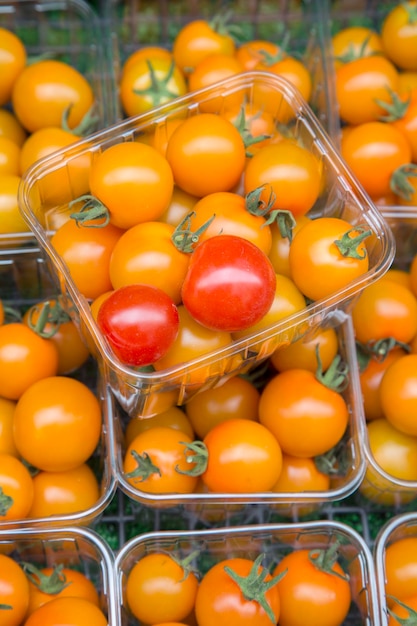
[(318, 266), (7, 444), (385, 309), (295, 401), (87, 252), (64, 493), (173, 417), (229, 471), (16, 493), (14, 592), (398, 393), (399, 35), (25, 358), (152, 460), (159, 587), (46, 89), (71, 611), (11, 220), (210, 71), (220, 599), (252, 52), (374, 151), (126, 172), (287, 170), (50, 319), (71, 437), (303, 352), (236, 397), (361, 85), (207, 154), (309, 594), (9, 157), (13, 59), (198, 39)]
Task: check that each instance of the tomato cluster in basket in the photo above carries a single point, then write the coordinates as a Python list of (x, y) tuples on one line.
[(45, 104), (51, 417), (203, 53), (376, 86)]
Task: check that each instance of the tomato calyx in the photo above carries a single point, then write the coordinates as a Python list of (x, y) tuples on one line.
[(411, 620), (348, 244), (185, 239), (185, 564), (199, 458), (399, 183), (396, 109), (92, 211), (336, 375), (332, 462), (269, 59), (377, 350), (248, 139), (351, 54), (51, 314), (144, 469), (11, 314), (284, 218), (51, 584), (411, 11), (324, 560), (87, 124), (6, 502), (254, 587), (256, 206), (158, 90), (220, 23)]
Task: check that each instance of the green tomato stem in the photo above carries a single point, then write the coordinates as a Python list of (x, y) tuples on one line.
[(254, 587), (52, 583)]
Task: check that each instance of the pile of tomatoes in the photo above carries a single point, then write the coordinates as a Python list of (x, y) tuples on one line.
[(176, 586), (33, 595), (399, 567), (45, 104), (51, 417), (203, 53), (376, 94), (385, 324)]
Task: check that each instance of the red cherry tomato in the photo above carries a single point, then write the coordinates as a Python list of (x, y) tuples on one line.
[(230, 283), (140, 322)]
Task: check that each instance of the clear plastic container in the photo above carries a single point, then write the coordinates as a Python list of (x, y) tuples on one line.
[(341, 196), (132, 25), (68, 30), (25, 280), (77, 548), (346, 13), (215, 508), (400, 527), (379, 487), (274, 540)]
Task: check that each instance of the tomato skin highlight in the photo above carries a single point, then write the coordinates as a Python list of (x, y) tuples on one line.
[(140, 322), (230, 284)]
